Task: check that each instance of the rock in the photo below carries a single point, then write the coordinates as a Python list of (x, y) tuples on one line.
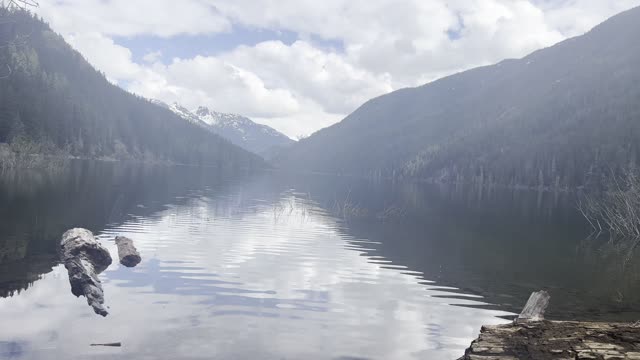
[(85, 258), (129, 256)]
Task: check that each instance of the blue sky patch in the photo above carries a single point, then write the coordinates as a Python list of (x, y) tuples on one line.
[(189, 46), (455, 33)]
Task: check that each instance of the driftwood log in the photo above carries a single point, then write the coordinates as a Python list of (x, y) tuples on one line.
[(85, 258), (531, 337), (535, 307), (556, 340), (129, 256)]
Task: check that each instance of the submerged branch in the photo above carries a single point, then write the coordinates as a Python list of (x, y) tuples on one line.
[(617, 209)]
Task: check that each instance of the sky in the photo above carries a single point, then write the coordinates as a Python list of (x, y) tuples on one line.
[(301, 65)]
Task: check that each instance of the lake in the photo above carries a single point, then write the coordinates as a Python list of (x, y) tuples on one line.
[(282, 266)]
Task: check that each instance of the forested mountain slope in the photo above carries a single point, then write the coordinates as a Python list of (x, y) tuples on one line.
[(52, 99), (560, 117)]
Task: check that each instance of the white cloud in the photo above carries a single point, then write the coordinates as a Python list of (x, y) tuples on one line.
[(318, 89), (112, 59), (325, 77), (152, 56), (302, 123), (162, 18), (301, 87), (224, 86), (577, 16)]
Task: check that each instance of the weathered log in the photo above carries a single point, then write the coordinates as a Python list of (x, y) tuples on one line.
[(117, 344), (85, 258), (531, 337), (535, 307), (129, 256), (559, 340)]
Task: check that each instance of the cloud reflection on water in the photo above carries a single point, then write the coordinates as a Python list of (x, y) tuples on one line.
[(231, 277)]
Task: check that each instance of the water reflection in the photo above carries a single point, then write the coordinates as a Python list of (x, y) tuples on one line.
[(264, 267), (499, 244), (36, 207)]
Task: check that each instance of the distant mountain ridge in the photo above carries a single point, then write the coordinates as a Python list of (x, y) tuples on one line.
[(560, 117), (241, 131)]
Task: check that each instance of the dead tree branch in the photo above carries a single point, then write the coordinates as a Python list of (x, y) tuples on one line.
[(617, 209), (19, 4)]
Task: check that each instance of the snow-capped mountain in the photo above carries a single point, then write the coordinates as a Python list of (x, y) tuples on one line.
[(242, 131), (186, 114), (180, 111)]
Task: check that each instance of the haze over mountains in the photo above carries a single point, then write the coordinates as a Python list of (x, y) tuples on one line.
[(560, 117), (242, 131), (54, 101)]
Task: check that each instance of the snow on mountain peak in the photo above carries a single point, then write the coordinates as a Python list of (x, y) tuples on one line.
[(238, 129), (215, 118), (185, 114)]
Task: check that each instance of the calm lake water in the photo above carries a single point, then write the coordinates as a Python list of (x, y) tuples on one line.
[(274, 266)]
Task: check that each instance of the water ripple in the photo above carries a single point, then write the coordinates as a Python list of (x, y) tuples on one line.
[(247, 277)]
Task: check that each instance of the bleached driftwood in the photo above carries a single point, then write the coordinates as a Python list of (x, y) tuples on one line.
[(85, 258), (535, 307), (129, 256)]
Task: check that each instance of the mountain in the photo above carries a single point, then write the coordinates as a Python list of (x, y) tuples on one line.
[(259, 139), (560, 117), (53, 101), (182, 112)]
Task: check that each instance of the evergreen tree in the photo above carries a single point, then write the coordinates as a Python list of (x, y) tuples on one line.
[(52, 96)]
